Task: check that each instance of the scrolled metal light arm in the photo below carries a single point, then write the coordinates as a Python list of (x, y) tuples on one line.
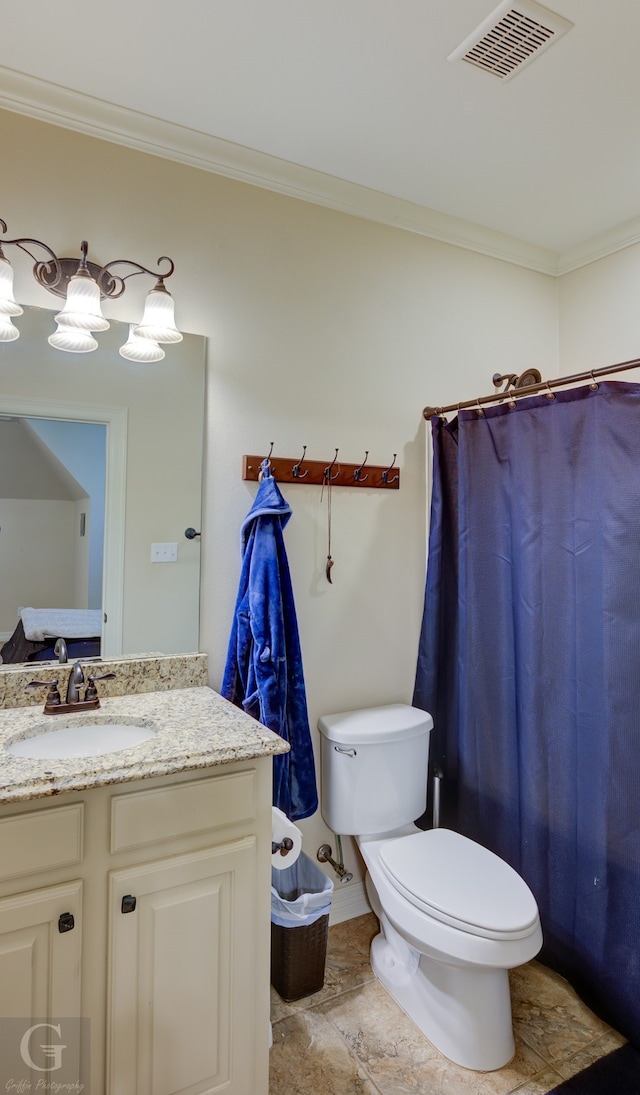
[(83, 285)]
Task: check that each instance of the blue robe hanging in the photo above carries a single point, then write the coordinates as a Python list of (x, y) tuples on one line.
[(263, 673)]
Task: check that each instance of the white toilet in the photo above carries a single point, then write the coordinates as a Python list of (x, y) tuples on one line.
[(454, 917)]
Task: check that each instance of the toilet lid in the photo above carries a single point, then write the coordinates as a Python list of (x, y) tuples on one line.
[(461, 883)]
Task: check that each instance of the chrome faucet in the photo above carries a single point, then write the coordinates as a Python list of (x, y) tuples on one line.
[(60, 650), (76, 680)]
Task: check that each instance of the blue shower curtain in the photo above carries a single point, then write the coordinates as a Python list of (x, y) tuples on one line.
[(529, 661)]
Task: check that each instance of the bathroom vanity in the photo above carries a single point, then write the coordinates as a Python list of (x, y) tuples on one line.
[(135, 890)]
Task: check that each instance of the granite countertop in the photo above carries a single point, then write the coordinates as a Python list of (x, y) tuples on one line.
[(196, 728)]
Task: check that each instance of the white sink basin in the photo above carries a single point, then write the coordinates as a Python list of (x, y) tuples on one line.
[(91, 739)]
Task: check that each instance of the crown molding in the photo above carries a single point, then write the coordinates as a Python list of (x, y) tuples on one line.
[(69, 109), (607, 243)]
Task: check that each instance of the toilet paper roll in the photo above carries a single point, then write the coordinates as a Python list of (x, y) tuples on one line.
[(281, 828)]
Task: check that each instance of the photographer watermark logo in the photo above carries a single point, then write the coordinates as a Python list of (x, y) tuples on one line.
[(52, 1052), (44, 1054)]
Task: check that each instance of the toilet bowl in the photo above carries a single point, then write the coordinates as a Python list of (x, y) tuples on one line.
[(448, 938), (454, 917)]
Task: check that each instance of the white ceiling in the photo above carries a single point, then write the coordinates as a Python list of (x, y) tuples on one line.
[(360, 91)]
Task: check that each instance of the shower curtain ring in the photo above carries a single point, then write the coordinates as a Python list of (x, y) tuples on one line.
[(593, 385), (549, 394), (479, 409)]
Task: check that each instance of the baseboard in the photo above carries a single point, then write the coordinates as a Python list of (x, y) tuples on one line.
[(348, 902)]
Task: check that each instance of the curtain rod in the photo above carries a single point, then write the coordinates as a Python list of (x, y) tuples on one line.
[(530, 389)]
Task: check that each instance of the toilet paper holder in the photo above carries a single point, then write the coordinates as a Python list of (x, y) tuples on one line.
[(283, 846)]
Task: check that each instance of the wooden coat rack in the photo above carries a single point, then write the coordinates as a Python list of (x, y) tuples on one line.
[(321, 472)]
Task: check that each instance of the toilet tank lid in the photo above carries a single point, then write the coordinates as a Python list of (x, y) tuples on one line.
[(371, 725)]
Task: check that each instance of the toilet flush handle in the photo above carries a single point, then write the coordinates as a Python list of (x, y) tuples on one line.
[(345, 752)]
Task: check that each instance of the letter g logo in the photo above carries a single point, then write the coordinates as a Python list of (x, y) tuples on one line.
[(53, 1052)]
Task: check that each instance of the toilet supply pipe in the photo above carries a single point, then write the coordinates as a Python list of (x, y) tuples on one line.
[(437, 780), (324, 856)]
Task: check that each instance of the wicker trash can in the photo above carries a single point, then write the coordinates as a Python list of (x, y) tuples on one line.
[(300, 906)]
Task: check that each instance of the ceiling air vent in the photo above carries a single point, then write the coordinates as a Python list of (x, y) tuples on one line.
[(512, 36)]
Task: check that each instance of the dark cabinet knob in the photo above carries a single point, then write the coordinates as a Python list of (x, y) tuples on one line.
[(66, 922), (128, 903)]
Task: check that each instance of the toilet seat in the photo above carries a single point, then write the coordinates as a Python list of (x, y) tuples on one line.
[(460, 883)]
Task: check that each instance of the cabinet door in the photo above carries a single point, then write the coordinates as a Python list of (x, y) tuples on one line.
[(40, 961), (181, 963)]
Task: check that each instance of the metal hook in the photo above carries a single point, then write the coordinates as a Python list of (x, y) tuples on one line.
[(593, 385), (479, 409), (295, 471), (357, 475), (549, 394), (385, 474), (266, 463), (326, 475)]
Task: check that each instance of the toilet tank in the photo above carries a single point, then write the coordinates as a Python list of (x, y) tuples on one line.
[(374, 768)]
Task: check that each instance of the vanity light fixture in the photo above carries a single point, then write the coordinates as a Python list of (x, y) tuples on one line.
[(83, 285)]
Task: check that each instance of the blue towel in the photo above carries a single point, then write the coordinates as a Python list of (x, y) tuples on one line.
[(263, 673)]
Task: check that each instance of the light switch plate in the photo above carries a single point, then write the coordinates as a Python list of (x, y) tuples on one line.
[(164, 553)]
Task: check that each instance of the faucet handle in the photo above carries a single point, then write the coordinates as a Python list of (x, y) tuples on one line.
[(92, 691), (53, 695)]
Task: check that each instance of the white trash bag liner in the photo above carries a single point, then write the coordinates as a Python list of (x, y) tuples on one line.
[(300, 894)]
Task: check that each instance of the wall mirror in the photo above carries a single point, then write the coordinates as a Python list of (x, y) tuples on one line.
[(57, 412)]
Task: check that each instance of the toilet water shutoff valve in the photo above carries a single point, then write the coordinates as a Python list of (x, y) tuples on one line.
[(324, 856)]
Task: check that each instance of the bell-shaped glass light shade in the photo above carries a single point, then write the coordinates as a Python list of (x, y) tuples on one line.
[(8, 304), (140, 349), (73, 340), (8, 333), (158, 321), (82, 307)]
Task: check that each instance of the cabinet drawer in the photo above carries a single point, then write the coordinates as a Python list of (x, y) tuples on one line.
[(185, 809), (40, 840)]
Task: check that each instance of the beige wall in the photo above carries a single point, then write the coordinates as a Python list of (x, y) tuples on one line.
[(600, 314), (324, 330)]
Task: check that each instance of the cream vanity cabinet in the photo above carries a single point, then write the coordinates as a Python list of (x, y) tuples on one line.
[(144, 907)]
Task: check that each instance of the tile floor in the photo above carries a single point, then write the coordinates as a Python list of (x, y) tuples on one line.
[(353, 1039)]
